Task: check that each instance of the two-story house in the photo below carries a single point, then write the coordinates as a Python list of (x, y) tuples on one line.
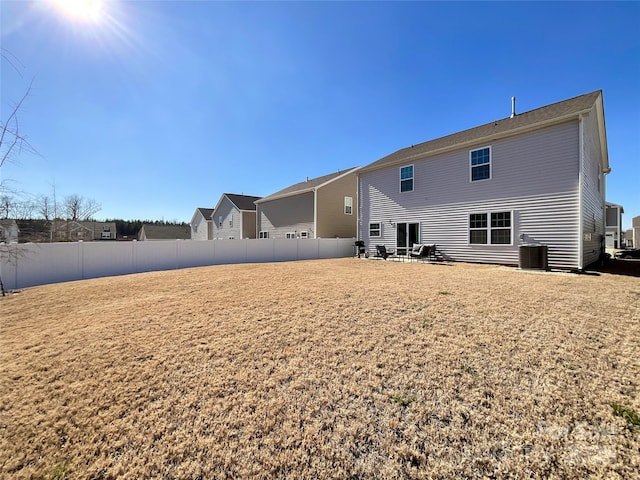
[(535, 177), (234, 217), (613, 225), (201, 224), (322, 207)]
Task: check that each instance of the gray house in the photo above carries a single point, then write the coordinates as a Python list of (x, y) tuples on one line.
[(234, 217), (323, 207), (613, 225), (201, 224), (535, 177)]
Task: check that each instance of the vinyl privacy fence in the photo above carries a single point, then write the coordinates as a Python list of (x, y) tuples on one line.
[(26, 265)]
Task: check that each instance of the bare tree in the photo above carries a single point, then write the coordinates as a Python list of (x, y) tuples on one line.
[(12, 142), (79, 208), (46, 208), (6, 206)]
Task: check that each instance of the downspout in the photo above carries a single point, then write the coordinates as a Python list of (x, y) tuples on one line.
[(580, 192), (358, 212), (315, 213)]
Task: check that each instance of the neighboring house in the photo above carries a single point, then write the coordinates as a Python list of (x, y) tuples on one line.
[(323, 207), (635, 236), (234, 217), (8, 231), (164, 232), (201, 225), (627, 237), (87, 231), (613, 225), (535, 177), (34, 231)]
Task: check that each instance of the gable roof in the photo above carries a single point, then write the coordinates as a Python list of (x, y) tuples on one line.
[(167, 232), (308, 185), (206, 212), (242, 202), (543, 116)]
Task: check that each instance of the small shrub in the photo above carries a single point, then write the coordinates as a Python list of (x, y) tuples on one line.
[(403, 400), (628, 414)]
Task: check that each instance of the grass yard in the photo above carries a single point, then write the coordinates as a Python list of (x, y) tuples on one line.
[(323, 369)]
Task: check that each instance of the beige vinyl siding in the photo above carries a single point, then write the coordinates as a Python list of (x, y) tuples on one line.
[(226, 209), (199, 233), (248, 224), (593, 196), (288, 214), (534, 175), (331, 220)]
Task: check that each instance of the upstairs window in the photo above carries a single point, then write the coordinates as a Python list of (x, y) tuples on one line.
[(231, 221), (374, 229), (348, 205), (480, 164), (406, 178), (263, 234)]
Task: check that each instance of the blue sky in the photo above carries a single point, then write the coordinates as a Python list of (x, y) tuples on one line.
[(159, 107)]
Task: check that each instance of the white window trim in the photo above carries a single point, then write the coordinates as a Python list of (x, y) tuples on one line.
[(290, 235), (471, 180), (488, 229), (348, 202), (304, 234), (379, 229), (413, 178), (263, 234)]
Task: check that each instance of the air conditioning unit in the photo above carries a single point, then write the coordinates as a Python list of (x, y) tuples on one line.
[(533, 256)]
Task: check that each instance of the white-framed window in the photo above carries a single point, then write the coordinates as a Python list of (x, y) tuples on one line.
[(263, 234), (491, 228), (348, 205), (290, 235), (375, 229), (480, 164), (304, 234), (231, 221), (220, 221), (406, 178)]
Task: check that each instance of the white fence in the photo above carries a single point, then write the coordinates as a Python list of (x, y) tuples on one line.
[(26, 265)]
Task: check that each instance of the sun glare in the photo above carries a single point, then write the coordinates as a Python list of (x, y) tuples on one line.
[(89, 11)]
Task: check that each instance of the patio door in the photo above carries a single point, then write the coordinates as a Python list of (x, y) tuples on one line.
[(406, 235)]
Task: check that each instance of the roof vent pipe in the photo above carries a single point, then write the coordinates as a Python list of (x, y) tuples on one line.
[(513, 107)]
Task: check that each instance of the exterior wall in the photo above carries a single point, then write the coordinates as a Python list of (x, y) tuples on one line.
[(592, 191), (227, 210), (199, 228), (534, 175), (635, 237), (248, 224), (331, 221), (288, 214), (613, 226)]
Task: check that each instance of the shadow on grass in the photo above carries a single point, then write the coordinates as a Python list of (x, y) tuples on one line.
[(621, 267)]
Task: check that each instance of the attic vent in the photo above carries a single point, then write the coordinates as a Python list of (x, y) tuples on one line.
[(513, 107)]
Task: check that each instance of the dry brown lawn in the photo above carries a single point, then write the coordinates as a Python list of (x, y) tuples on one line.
[(340, 368)]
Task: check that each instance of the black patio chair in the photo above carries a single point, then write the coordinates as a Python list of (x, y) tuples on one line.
[(382, 252)]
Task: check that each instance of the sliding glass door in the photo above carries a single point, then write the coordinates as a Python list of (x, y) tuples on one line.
[(406, 235)]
